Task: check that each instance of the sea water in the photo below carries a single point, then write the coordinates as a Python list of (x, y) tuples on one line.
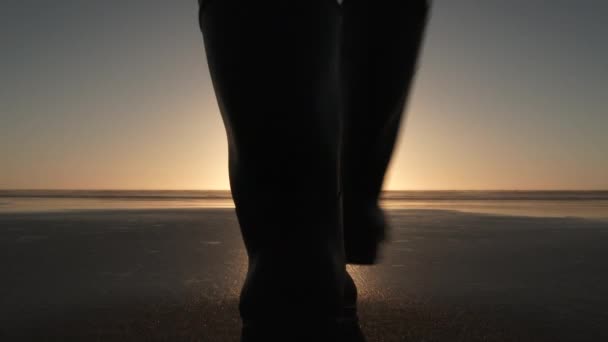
[(584, 204)]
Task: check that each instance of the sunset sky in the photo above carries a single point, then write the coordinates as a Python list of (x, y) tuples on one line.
[(115, 94)]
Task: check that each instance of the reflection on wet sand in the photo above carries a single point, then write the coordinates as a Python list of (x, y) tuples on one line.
[(176, 274)]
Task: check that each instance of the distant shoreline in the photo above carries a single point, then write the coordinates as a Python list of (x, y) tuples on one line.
[(518, 195), (584, 204)]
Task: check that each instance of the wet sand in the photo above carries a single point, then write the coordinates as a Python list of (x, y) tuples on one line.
[(174, 275)]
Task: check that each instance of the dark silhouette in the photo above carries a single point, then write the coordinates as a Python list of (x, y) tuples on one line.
[(311, 93)]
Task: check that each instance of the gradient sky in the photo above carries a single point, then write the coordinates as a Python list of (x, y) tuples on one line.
[(115, 94)]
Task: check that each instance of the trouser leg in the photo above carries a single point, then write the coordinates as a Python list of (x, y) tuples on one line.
[(274, 68), (380, 44)]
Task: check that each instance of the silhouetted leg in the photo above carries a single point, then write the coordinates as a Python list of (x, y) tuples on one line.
[(274, 70), (381, 42)]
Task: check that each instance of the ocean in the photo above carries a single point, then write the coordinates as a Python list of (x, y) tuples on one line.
[(583, 204)]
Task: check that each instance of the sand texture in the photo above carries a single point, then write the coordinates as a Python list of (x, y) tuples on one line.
[(175, 275)]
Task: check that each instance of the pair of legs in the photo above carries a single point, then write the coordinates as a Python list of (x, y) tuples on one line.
[(311, 94)]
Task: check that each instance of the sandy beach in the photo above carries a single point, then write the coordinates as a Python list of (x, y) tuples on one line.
[(175, 275)]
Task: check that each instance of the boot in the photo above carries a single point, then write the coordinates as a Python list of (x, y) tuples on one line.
[(274, 66), (380, 45), (351, 331)]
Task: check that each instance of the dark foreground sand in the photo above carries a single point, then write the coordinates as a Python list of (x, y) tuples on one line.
[(174, 275)]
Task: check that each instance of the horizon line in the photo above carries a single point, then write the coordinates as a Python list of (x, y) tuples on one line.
[(384, 190)]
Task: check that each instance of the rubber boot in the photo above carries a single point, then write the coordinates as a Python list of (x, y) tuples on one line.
[(274, 67), (380, 45), (351, 331)]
